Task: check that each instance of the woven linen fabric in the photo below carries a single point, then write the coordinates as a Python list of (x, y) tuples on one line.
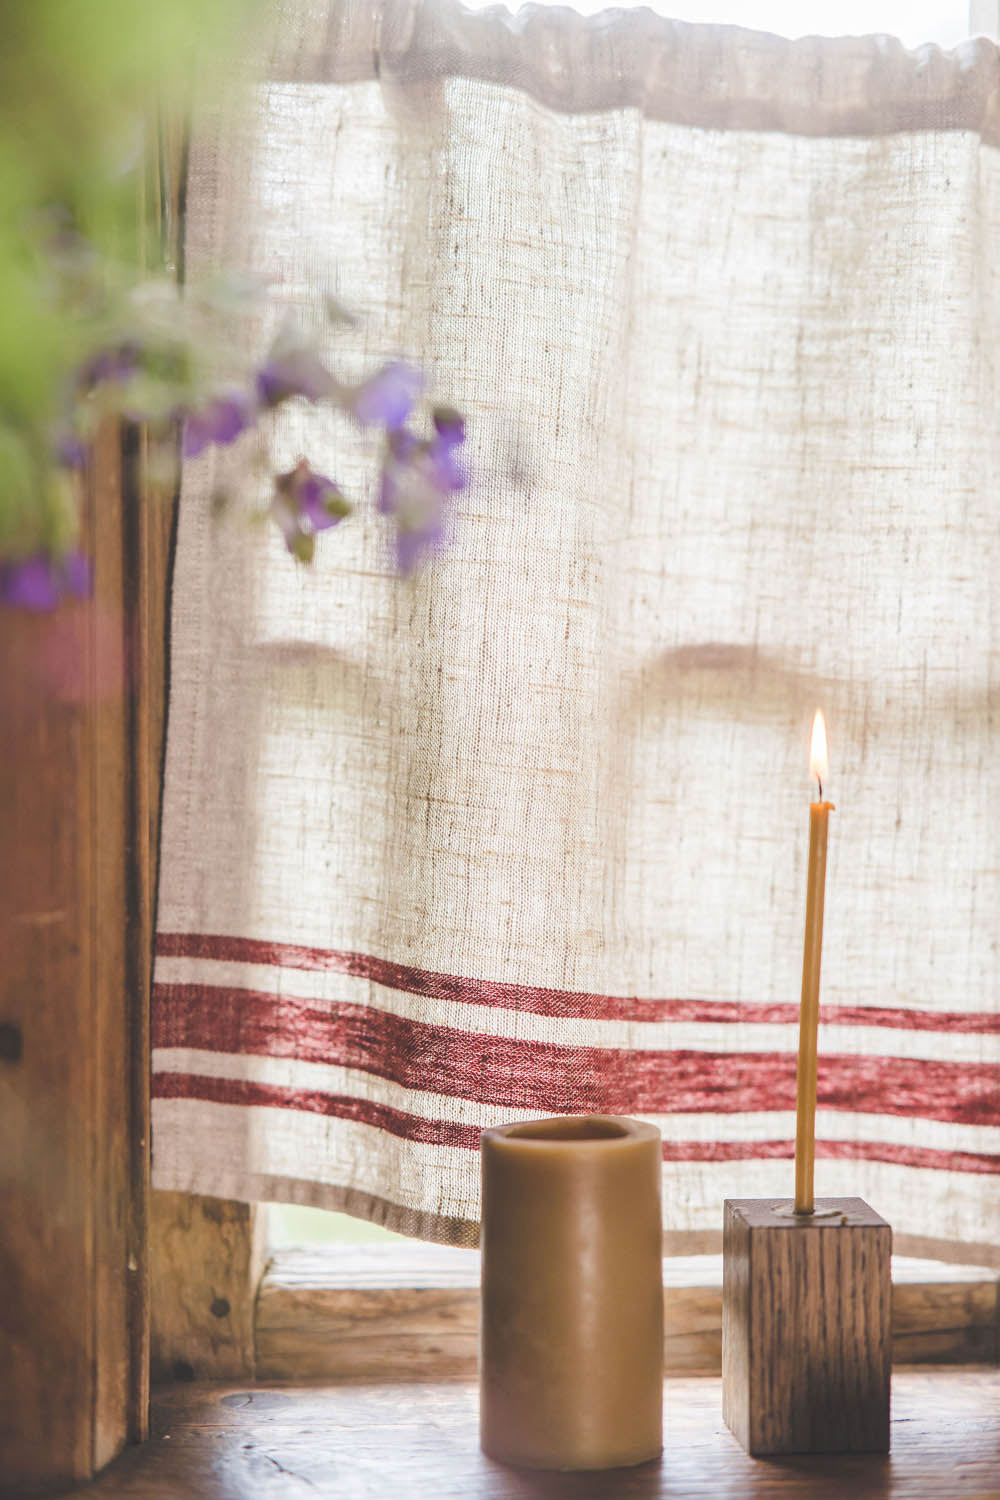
[(527, 834)]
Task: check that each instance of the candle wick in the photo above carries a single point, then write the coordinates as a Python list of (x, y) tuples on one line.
[(820, 781)]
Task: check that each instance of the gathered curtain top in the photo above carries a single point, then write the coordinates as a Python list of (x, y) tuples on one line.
[(717, 77)]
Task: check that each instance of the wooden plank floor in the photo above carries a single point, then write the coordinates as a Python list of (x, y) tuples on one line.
[(419, 1442)]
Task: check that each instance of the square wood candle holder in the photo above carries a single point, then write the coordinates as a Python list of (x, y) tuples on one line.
[(806, 1345)]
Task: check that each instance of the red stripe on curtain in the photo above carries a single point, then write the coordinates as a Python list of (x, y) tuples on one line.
[(245, 1092), (887, 1151), (549, 1002), (519, 1074)]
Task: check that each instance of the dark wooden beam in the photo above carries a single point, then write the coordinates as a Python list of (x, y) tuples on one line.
[(71, 1016)]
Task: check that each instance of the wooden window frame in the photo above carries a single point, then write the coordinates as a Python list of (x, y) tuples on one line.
[(411, 1312), (225, 1307)]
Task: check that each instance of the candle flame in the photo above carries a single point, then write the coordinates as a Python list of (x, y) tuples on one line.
[(819, 764)]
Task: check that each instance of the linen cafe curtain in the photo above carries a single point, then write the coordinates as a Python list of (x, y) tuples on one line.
[(527, 834)]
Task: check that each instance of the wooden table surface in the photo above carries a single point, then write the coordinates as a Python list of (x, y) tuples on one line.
[(419, 1442)]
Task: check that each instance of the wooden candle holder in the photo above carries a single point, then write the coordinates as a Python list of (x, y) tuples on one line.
[(806, 1348)]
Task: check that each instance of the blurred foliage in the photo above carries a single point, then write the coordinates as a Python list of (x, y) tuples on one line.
[(82, 84)]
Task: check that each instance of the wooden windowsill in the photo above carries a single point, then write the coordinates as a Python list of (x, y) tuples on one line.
[(394, 1442), (410, 1313)]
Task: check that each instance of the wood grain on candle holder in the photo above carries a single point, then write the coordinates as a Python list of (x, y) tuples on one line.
[(806, 1328)]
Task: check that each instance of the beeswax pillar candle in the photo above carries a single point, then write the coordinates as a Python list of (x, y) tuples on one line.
[(571, 1363)]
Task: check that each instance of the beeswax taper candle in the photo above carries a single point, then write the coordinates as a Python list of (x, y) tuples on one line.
[(805, 1124)]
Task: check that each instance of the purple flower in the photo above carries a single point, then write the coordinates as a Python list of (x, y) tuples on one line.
[(78, 574), (401, 449), (70, 451), (449, 424), (412, 493), (119, 362), (388, 398), (305, 503), (221, 421), (412, 544), (296, 372), (416, 485), (321, 502), (449, 435), (287, 520), (31, 583), (39, 582)]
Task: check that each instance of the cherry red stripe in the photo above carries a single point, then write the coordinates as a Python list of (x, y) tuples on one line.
[(549, 1002), (314, 1102), (518, 1074), (904, 1156), (412, 1127)]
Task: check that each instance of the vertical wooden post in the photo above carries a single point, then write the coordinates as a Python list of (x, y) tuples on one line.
[(206, 1257), (71, 1019)]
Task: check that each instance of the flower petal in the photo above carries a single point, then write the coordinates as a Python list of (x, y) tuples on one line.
[(70, 451), (78, 574), (221, 421), (119, 362), (298, 373), (449, 472), (388, 398), (30, 583)]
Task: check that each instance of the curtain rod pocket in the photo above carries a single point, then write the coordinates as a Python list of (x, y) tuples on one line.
[(715, 77)]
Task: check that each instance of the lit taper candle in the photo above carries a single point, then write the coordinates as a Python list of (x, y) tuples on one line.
[(805, 1127)]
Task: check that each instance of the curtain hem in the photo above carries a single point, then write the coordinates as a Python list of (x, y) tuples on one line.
[(442, 1229)]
